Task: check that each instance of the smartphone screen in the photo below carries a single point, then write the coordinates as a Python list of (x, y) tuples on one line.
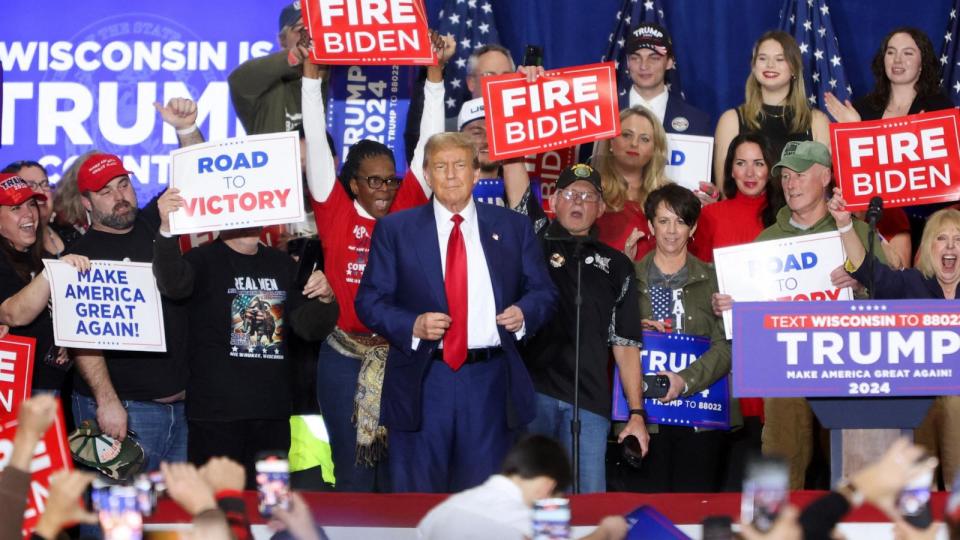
[(273, 485), (913, 503), (119, 513), (766, 488)]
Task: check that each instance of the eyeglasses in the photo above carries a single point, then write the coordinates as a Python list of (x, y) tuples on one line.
[(41, 185), (582, 196), (376, 182)]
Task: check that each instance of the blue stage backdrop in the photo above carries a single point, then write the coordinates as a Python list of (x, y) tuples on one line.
[(83, 75)]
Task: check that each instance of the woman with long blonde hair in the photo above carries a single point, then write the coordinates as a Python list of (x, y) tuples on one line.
[(775, 102), (631, 165)]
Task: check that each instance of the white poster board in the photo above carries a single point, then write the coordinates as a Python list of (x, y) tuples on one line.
[(114, 306), (790, 269), (689, 159), (250, 181)]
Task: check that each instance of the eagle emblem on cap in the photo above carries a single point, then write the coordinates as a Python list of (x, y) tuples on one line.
[(582, 170)]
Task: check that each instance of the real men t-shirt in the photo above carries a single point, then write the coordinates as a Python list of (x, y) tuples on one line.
[(239, 323)]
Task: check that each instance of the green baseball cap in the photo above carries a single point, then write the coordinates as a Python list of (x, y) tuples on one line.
[(801, 155)]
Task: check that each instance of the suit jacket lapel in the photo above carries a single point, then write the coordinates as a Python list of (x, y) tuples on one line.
[(427, 245), (491, 239)]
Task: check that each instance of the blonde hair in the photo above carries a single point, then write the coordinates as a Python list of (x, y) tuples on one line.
[(936, 223), (796, 108), (448, 140), (615, 189), (66, 198)]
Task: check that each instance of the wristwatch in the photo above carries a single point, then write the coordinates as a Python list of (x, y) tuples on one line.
[(642, 413)]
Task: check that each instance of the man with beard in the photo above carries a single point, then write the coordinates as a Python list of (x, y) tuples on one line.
[(129, 390)]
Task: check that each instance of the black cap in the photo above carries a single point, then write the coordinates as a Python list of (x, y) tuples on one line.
[(650, 36), (578, 172)]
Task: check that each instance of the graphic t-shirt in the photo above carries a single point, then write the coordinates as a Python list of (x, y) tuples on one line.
[(345, 235), (239, 313)]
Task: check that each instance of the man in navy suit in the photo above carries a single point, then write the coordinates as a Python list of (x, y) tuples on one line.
[(649, 56), (453, 285)]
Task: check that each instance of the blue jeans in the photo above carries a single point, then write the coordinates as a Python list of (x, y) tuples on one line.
[(553, 420), (161, 428), (336, 386)]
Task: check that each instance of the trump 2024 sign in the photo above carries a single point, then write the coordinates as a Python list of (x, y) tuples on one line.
[(841, 349)]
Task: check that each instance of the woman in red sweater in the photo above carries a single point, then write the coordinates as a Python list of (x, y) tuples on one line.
[(631, 165), (752, 198)]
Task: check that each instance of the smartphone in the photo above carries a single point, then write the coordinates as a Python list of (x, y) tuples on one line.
[(551, 519), (149, 487), (273, 485), (655, 386), (310, 258), (533, 56), (913, 503), (119, 512), (766, 489)]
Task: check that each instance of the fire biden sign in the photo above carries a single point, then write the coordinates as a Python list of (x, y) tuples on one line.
[(563, 108), (905, 161)]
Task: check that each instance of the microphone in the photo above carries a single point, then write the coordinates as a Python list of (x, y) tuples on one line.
[(874, 211)]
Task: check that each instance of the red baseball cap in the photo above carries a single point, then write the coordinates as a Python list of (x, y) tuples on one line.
[(98, 170), (15, 190)]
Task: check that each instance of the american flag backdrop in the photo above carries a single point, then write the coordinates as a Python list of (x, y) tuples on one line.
[(631, 14), (950, 58), (808, 21), (472, 25)]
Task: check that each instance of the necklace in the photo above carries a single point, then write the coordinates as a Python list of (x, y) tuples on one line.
[(774, 111)]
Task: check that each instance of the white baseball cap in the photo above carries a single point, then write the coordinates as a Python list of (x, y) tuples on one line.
[(470, 111)]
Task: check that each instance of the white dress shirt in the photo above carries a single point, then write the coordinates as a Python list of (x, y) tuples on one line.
[(658, 104), (482, 319), (494, 509)]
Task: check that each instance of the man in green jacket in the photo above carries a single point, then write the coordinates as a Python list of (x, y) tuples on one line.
[(266, 91), (804, 172)]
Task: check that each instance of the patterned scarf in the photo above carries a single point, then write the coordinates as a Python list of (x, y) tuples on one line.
[(372, 352)]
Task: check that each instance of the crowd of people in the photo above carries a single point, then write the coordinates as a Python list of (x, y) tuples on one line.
[(452, 314)]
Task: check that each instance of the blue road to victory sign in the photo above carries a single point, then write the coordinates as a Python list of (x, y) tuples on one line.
[(674, 352)]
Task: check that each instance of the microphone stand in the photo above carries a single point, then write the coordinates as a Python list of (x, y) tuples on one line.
[(575, 421), (873, 216), (870, 241), (578, 303)]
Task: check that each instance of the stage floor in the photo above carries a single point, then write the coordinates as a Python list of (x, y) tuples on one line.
[(349, 516)]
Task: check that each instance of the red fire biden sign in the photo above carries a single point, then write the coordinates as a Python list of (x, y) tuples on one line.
[(905, 161), (563, 108)]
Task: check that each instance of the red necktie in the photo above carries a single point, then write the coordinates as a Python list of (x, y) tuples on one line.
[(455, 284)]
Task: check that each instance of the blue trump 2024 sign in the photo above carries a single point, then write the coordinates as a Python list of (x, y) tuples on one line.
[(858, 348), (674, 352)]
